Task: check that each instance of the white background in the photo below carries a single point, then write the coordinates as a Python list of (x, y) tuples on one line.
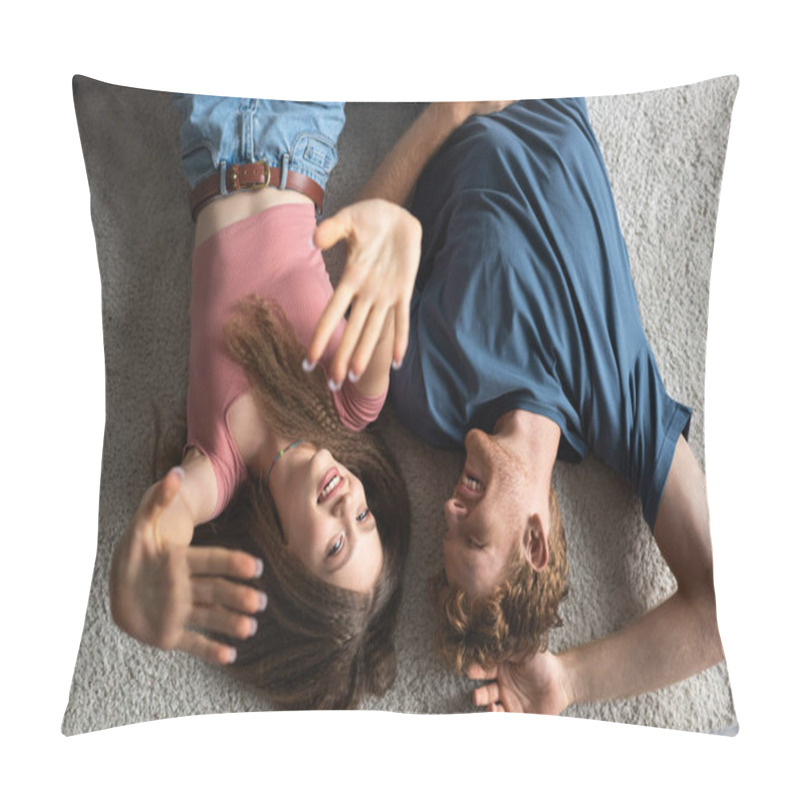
[(53, 384)]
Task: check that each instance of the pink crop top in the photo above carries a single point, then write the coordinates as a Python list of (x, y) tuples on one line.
[(268, 254)]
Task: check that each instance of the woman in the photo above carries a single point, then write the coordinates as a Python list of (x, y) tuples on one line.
[(317, 506)]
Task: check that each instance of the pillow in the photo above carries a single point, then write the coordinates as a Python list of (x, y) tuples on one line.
[(664, 151)]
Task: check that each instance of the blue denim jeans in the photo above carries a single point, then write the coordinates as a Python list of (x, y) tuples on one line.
[(218, 131)]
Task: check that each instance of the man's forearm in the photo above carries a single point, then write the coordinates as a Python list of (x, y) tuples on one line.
[(675, 640), (395, 177), (678, 638)]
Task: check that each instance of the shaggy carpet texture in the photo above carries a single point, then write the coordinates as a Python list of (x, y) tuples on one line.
[(665, 152)]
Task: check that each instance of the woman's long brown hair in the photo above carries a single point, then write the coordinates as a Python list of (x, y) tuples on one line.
[(317, 645)]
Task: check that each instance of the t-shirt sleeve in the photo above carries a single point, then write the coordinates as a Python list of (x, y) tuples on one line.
[(355, 410), (229, 471), (651, 422), (674, 423)]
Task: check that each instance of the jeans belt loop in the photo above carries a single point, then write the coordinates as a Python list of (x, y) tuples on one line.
[(223, 170), (284, 169)]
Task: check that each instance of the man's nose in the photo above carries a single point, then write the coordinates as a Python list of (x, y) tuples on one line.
[(454, 511), (455, 507)]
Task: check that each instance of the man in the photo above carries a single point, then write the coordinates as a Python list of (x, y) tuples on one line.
[(526, 345)]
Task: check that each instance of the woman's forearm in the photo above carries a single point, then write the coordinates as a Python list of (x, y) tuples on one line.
[(194, 501)]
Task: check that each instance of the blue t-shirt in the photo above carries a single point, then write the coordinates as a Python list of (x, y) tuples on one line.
[(525, 299)]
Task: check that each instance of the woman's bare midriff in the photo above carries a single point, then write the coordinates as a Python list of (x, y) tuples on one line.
[(224, 211)]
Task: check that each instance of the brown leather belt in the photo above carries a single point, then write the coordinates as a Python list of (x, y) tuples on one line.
[(252, 175)]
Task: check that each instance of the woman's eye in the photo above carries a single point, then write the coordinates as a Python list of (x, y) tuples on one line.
[(337, 545), (476, 545), (364, 515)]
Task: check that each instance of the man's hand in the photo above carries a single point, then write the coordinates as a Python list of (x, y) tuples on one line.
[(383, 250), (464, 110), (534, 685), (160, 590)]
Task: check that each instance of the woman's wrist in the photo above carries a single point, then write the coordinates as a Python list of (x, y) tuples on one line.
[(197, 495)]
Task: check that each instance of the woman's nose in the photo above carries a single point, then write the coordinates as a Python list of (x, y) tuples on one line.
[(345, 502)]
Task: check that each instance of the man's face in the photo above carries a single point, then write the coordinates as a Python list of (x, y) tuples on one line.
[(487, 515)]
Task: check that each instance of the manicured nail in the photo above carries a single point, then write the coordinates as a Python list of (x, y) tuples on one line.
[(352, 377), (232, 655), (308, 366), (262, 601), (253, 626), (179, 472), (259, 568), (333, 386), (311, 242), (397, 364)]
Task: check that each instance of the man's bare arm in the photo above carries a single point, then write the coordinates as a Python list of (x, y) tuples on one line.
[(395, 178), (673, 641), (680, 637)]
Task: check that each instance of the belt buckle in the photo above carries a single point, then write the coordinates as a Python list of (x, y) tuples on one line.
[(237, 185), (266, 175)]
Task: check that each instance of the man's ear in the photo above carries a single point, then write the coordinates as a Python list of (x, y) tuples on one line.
[(535, 545)]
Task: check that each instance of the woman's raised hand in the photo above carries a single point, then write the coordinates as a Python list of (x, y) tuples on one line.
[(534, 685), (383, 250), (164, 592)]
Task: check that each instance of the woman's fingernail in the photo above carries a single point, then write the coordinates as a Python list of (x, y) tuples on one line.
[(179, 472), (333, 386), (311, 242), (397, 364), (259, 568), (253, 626), (231, 655), (262, 601), (352, 377), (308, 366)]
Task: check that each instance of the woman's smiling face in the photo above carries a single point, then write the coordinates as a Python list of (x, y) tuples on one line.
[(325, 518)]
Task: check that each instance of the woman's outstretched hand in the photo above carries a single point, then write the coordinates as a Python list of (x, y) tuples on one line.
[(161, 591), (383, 250), (534, 685)]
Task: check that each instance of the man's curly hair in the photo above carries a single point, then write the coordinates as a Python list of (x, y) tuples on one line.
[(515, 620)]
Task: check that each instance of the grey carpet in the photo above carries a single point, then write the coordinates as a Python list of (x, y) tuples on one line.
[(665, 153)]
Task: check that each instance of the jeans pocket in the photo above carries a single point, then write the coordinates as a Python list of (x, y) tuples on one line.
[(315, 152), (199, 159)]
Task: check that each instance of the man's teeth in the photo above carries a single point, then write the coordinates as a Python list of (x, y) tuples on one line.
[(472, 483), (330, 486)]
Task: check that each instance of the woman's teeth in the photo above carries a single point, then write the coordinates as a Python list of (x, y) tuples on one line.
[(329, 487)]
